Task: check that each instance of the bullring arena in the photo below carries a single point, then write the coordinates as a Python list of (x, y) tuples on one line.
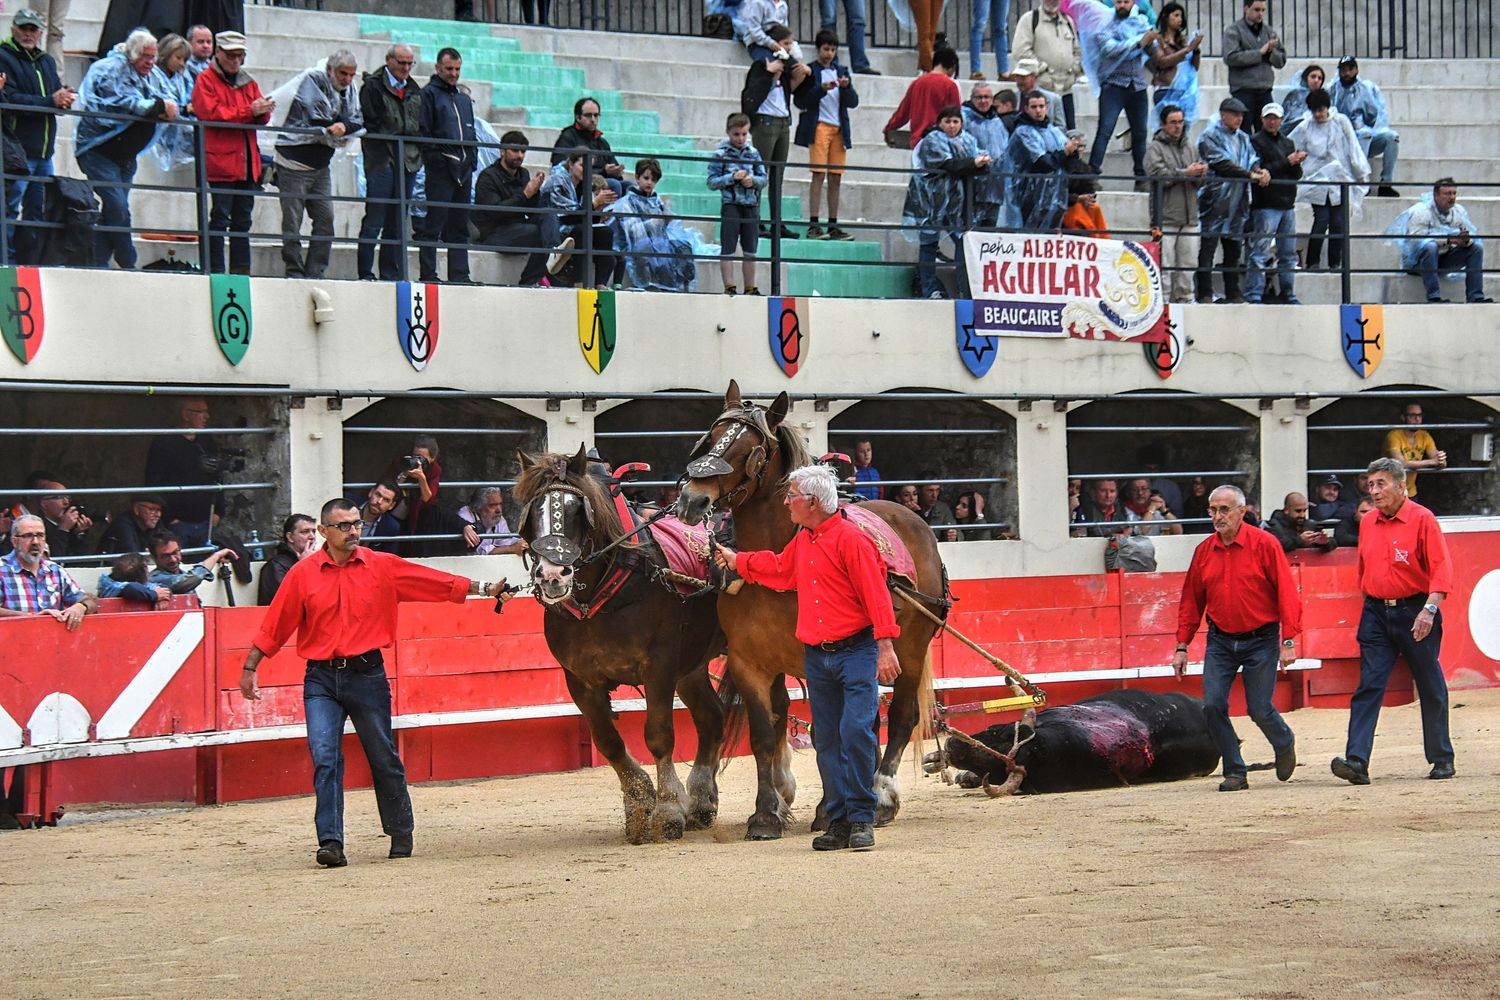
[(169, 841)]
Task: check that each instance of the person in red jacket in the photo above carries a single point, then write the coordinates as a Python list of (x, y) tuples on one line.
[(226, 93), (927, 95), (846, 620)]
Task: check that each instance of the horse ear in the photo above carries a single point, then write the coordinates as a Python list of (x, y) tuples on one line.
[(526, 460), (777, 413), (578, 465), (732, 396)]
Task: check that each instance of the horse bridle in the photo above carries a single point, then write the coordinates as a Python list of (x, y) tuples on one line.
[(711, 464), (552, 506)]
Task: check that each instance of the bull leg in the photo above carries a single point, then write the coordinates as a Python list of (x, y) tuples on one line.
[(669, 818), (635, 784), (703, 704), (768, 822)]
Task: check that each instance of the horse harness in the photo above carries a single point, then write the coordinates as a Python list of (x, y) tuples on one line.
[(706, 461)]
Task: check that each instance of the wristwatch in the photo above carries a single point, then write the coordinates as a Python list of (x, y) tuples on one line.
[(1430, 608), (1287, 643)]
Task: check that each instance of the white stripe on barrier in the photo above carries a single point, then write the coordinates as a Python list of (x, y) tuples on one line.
[(10, 731), (153, 678), (420, 720)]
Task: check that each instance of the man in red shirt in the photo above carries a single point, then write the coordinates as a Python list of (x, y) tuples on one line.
[(341, 602), (927, 95), (846, 621), (1240, 576), (1404, 573)]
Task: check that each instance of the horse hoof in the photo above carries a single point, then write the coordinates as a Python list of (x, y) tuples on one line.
[(702, 819), (762, 829), (638, 826), (672, 829), (885, 814)]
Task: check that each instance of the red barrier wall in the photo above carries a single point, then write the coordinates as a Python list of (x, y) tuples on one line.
[(458, 658)]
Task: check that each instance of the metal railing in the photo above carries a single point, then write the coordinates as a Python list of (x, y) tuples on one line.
[(587, 221), (1411, 29)]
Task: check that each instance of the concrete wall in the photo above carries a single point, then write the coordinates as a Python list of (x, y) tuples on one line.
[(133, 329)]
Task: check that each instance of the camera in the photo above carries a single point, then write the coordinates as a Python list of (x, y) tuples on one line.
[(224, 460), (412, 462)]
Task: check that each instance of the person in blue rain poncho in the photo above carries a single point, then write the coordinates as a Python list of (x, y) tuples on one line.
[(563, 189), (1039, 155), (1224, 201), (1294, 103), (935, 197), (1364, 105), (1117, 43), (1174, 63), (125, 82), (174, 146), (1437, 237), (657, 251), (982, 120)]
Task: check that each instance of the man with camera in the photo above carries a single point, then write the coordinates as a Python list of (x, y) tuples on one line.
[(188, 458), (67, 524), (166, 552)]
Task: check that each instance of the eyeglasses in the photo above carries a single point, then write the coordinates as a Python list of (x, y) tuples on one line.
[(797, 496), (589, 114), (345, 526), (32, 536), (404, 62), (232, 54)]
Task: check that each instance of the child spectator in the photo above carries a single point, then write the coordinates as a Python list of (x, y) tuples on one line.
[(657, 251), (127, 578), (1084, 216), (738, 174), (823, 130), (935, 201)]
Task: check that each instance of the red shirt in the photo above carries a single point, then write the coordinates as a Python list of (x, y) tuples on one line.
[(1243, 585), (350, 609), (927, 95), (1404, 555), (838, 576)]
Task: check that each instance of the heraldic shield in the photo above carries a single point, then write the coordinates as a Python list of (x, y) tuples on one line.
[(787, 322), (976, 350), (596, 327), (229, 297), (22, 320), (1362, 336), (417, 321)]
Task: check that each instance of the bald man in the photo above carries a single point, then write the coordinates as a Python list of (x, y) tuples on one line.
[(1294, 530)]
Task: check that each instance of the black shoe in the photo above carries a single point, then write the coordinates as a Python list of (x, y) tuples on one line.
[(1235, 300), (815, 232), (862, 837), (1356, 772), (331, 854), (836, 838), (1286, 762), (1440, 772), (400, 845), (1234, 783), (835, 233), (1387, 191), (1479, 299), (1438, 299), (868, 71)]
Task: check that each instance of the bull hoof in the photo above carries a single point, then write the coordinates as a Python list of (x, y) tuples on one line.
[(932, 763), (763, 828), (967, 779)]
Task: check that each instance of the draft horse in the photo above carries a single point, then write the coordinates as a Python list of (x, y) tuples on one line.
[(741, 464), (611, 621)]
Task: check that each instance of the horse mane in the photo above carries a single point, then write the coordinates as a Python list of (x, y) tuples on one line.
[(534, 481)]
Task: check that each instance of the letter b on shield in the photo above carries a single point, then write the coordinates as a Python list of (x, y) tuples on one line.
[(230, 296)]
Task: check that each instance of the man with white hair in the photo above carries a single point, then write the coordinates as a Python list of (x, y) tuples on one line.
[(325, 101), (1241, 577), (846, 621)]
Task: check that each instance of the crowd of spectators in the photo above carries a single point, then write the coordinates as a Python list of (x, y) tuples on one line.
[(1015, 161)]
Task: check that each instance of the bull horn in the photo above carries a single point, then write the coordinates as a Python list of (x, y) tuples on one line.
[(1010, 786)]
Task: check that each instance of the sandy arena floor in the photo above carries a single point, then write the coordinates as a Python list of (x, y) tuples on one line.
[(525, 888)]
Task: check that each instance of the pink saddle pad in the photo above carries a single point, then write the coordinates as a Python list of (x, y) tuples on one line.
[(685, 546), (892, 549)]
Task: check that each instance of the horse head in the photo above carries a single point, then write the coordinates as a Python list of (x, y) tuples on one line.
[(559, 520), (728, 464)]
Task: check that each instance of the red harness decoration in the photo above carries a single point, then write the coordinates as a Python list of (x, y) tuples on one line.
[(608, 589)]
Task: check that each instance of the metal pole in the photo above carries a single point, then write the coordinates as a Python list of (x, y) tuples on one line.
[(200, 182), (5, 229), (404, 210), (590, 280), (775, 188), (1346, 278)]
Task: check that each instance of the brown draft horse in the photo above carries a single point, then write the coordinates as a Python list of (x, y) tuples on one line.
[(610, 622), (754, 453)]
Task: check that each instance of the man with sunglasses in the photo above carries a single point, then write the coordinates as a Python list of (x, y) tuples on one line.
[(847, 623), (341, 601)]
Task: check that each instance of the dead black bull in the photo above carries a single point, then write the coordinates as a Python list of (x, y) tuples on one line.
[(1109, 740)]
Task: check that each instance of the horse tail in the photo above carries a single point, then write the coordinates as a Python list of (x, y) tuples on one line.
[(734, 719), (926, 705)]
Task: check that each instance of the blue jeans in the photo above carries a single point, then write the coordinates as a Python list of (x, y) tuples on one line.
[(1135, 104), (1257, 653), (364, 695), (854, 14), (1272, 227), (1388, 146), (1469, 259), (114, 205), (26, 197), (927, 251), (1385, 633), (845, 702), (384, 223), (995, 15)]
